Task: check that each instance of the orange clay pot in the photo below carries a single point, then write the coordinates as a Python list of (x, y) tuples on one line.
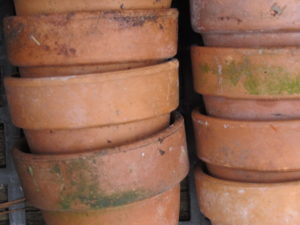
[(87, 139), (52, 71), (60, 107), (101, 37), (248, 84), (162, 209), (251, 151), (248, 23), (33, 7), (107, 177), (233, 203)]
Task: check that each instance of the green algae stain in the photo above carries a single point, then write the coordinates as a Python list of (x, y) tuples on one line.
[(56, 170), (84, 189), (204, 68), (95, 199), (257, 79)]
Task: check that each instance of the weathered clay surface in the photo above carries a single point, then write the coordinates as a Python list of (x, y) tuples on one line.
[(78, 38), (234, 203), (107, 177), (87, 139), (33, 7), (248, 23), (162, 209), (243, 83), (52, 71), (252, 40), (249, 150), (92, 100)]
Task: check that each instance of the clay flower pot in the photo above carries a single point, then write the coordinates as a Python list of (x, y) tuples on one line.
[(33, 7), (162, 209), (234, 203), (69, 39), (251, 151), (55, 110), (105, 178), (52, 71), (234, 23), (248, 84)]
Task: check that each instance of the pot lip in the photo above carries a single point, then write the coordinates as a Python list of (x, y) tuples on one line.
[(255, 50), (199, 118), (158, 137), (99, 14), (237, 93), (90, 78), (201, 176)]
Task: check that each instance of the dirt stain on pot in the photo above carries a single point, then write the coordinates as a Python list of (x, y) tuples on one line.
[(277, 10), (133, 21)]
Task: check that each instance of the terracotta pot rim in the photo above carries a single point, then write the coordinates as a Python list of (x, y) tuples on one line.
[(199, 173), (230, 16), (230, 123), (86, 78), (158, 137), (218, 143), (239, 73), (253, 50), (40, 116), (79, 36), (162, 12), (105, 178)]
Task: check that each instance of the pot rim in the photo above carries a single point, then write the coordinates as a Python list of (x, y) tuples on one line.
[(90, 78), (48, 89), (99, 14), (225, 17), (236, 123), (105, 178), (30, 40), (241, 88), (200, 175), (134, 146)]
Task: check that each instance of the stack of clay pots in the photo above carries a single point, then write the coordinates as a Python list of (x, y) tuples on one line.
[(249, 140), (95, 97)]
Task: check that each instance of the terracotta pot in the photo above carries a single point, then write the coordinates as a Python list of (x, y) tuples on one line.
[(253, 151), (51, 71), (107, 177), (87, 139), (248, 84), (33, 7), (234, 23), (234, 203), (162, 209), (93, 100), (78, 38)]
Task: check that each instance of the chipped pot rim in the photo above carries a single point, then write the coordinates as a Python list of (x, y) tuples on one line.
[(134, 146), (90, 78), (246, 73)]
